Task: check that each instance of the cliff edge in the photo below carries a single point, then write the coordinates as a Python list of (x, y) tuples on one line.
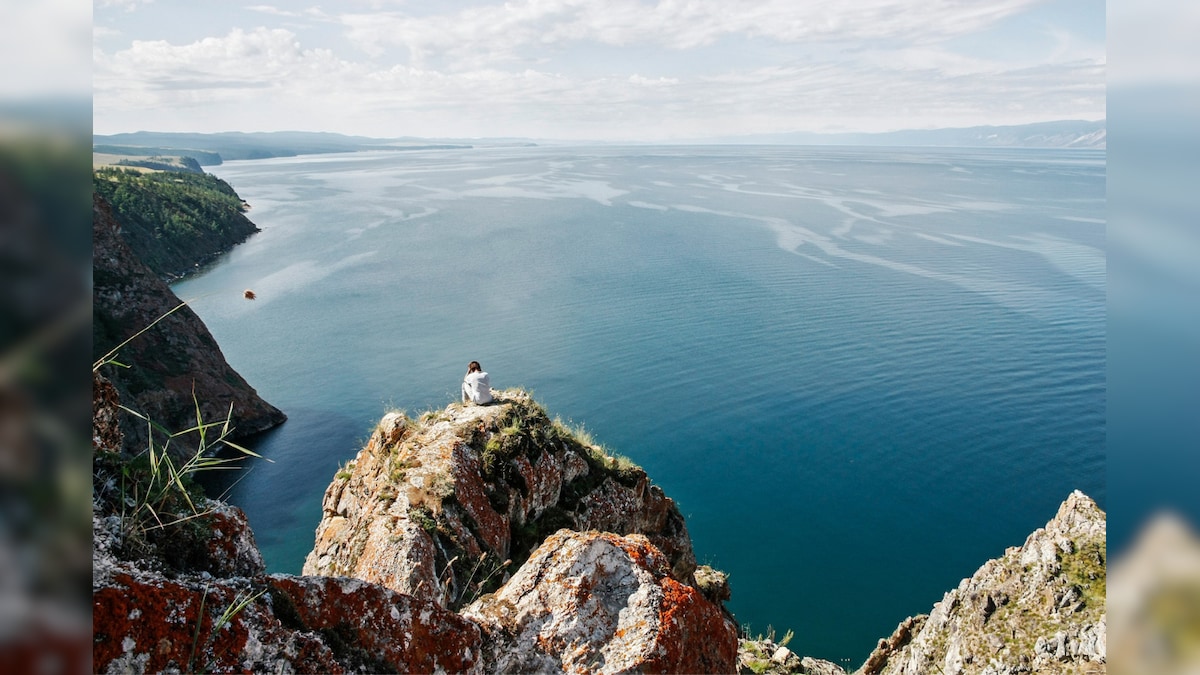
[(427, 510), (446, 506), (567, 558), (175, 365), (493, 539)]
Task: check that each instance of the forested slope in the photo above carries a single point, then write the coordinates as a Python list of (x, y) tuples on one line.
[(174, 221)]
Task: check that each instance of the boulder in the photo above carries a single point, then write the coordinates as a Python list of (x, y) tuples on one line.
[(599, 602), (146, 622)]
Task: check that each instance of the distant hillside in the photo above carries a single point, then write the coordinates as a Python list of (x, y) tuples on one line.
[(160, 163), (173, 220), (212, 149), (201, 157), (1061, 134)]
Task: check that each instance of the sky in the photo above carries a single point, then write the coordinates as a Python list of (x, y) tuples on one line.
[(590, 69)]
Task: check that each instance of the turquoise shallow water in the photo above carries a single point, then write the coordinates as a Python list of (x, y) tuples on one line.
[(860, 372)]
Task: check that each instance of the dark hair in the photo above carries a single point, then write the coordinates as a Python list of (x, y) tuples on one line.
[(473, 366)]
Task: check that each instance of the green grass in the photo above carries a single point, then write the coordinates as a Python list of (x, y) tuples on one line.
[(599, 455), (1086, 568), (421, 515), (345, 471), (398, 469)]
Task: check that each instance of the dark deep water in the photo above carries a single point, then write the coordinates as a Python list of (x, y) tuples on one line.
[(861, 372)]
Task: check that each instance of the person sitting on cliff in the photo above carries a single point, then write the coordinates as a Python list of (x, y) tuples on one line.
[(476, 387)]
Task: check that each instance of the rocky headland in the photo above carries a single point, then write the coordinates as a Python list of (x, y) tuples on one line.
[(1040, 608), (496, 539), (478, 539), (471, 539), (173, 367)]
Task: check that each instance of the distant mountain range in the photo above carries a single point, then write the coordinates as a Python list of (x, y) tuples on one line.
[(210, 149), (1059, 134)]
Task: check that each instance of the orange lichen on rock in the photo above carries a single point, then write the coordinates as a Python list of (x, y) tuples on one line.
[(694, 635), (404, 633), (601, 602), (154, 624), (310, 624)]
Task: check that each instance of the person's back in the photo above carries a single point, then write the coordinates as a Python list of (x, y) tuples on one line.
[(476, 386)]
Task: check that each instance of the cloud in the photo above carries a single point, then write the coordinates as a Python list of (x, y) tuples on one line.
[(127, 5), (502, 31), (652, 81), (261, 56), (272, 10), (517, 70)]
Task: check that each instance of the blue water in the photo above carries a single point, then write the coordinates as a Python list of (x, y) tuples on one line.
[(860, 372)]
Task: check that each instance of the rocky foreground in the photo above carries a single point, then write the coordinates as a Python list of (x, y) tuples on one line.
[(487, 539)]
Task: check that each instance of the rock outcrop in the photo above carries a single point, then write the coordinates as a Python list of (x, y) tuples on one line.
[(188, 595), (1038, 609), (148, 620), (446, 507), (476, 528), (598, 602), (191, 595), (174, 365)]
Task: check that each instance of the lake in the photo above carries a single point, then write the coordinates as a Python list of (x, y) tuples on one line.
[(861, 372)]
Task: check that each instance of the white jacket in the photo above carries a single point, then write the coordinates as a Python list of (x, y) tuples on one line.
[(477, 388)]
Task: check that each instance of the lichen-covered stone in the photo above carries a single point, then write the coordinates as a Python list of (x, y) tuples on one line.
[(763, 656), (145, 622), (713, 583), (192, 597), (599, 602)]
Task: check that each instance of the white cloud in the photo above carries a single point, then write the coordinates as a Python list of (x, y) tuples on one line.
[(501, 31), (652, 81), (307, 13), (127, 5), (100, 32), (514, 70), (273, 10)]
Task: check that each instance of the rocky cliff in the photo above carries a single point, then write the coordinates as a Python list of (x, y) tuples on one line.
[(1038, 609), (190, 595), (176, 363), (485, 539), (445, 507)]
